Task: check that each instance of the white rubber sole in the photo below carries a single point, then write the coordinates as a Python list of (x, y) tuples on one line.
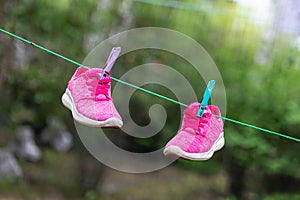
[(175, 151), (68, 102)]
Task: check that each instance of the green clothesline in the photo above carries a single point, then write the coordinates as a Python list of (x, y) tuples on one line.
[(147, 91)]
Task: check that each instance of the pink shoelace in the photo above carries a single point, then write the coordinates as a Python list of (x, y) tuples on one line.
[(102, 91), (102, 88), (198, 124)]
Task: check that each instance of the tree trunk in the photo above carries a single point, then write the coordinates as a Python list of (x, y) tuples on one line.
[(237, 174), (6, 58)]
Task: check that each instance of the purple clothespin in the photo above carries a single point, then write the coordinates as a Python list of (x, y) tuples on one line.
[(114, 54)]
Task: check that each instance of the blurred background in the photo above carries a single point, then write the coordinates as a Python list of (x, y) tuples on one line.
[(255, 45)]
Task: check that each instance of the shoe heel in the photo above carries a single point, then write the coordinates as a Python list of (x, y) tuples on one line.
[(220, 144), (66, 101)]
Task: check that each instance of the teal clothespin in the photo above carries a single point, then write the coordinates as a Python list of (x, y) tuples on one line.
[(206, 97)]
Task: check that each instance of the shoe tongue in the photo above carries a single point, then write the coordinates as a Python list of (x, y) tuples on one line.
[(97, 72), (194, 107)]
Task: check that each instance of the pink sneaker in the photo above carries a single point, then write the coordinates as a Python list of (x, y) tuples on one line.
[(89, 99), (198, 138)]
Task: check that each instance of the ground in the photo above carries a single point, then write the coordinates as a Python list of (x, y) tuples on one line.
[(55, 177)]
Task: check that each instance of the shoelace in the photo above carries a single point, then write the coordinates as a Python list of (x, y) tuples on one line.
[(198, 124), (203, 123), (102, 91)]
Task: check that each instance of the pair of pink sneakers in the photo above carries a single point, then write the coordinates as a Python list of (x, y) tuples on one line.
[(88, 96)]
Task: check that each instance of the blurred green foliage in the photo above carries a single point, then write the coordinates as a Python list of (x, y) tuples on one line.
[(266, 95)]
